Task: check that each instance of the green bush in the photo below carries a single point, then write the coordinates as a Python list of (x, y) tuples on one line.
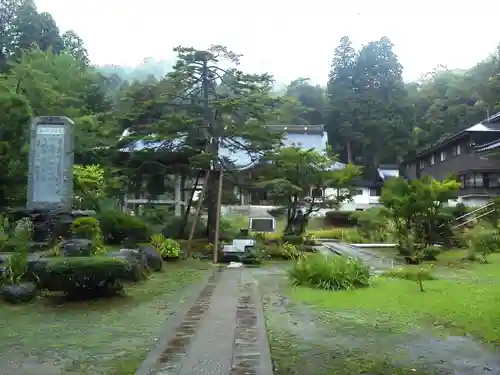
[(88, 227), (173, 226), (340, 219), (172, 248), (83, 277), (231, 226), (290, 251), (166, 247), (373, 224), (484, 240), (293, 239), (198, 245), (410, 273), (330, 273), (278, 251), (117, 226), (431, 253)]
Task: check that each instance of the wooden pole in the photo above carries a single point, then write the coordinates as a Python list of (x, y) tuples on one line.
[(215, 254), (197, 213)]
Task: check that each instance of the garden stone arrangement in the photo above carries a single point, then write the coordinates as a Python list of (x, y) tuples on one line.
[(49, 226)]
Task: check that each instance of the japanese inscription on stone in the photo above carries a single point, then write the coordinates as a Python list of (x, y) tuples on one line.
[(48, 173), (51, 162)]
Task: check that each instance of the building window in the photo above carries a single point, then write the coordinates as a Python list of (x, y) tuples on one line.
[(478, 180), (357, 192), (475, 180), (456, 150), (469, 181), (432, 160), (493, 180), (421, 164), (317, 193), (462, 181), (375, 192), (442, 156)]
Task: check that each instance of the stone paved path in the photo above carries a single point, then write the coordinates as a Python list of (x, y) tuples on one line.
[(222, 333)]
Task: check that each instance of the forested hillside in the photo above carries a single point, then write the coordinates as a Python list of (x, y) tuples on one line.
[(148, 68), (371, 115)]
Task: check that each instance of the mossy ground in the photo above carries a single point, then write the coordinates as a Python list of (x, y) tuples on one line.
[(108, 337)]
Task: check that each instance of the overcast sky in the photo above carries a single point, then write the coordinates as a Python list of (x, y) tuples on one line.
[(287, 38)]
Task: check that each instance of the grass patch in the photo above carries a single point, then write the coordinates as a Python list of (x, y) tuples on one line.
[(108, 337), (410, 273), (462, 308), (292, 355), (343, 234)]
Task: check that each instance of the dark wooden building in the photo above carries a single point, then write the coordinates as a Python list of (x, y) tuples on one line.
[(465, 154)]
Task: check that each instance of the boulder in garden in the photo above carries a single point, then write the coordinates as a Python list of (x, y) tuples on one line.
[(18, 293), (76, 247), (153, 258)]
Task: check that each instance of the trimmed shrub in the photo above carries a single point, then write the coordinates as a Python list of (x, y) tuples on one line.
[(431, 253), (83, 277), (117, 227), (340, 219), (137, 260), (88, 228), (330, 273)]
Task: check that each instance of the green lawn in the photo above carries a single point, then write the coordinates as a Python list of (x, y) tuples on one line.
[(108, 337), (467, 302), (370, 331)]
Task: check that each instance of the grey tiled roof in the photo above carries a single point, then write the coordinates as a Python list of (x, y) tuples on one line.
[(305, 137), (489, 124)]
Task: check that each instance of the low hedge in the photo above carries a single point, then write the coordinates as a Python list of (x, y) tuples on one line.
[(83, 277), (117, 227), (340, 219)]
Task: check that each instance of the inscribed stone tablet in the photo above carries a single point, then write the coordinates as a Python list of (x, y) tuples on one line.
[(50, 182), (262, 224)]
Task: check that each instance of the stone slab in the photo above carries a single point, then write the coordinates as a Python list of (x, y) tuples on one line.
[(51, 158)]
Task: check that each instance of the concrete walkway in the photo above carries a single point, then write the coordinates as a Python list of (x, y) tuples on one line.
[(376, 262), (221, 333)]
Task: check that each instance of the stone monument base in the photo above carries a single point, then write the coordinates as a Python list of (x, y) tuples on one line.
[(49, 224)]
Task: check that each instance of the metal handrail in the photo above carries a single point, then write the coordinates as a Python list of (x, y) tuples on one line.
[(476, 210), (474, 218)]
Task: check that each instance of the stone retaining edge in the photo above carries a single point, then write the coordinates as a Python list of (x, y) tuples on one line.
[(266, 365)]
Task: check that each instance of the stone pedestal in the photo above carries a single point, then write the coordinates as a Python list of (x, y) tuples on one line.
[(49, 225)]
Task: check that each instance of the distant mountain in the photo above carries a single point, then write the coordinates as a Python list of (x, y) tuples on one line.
[(156, 68), (149, 67)]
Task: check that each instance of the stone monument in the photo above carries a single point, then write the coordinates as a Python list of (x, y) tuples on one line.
[(50, 180), (51, 158)]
